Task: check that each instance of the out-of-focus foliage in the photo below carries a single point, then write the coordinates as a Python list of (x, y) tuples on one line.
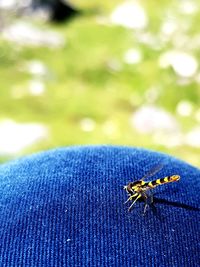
[(103, 78)]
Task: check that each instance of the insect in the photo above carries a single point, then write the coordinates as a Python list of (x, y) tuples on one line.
[(139, 188)]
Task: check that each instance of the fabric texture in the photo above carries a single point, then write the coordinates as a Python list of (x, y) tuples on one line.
[(65, 207)]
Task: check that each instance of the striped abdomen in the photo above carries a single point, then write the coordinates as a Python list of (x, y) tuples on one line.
[(165, 180)]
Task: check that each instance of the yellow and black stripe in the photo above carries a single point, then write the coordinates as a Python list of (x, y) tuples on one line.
[(165, 180)]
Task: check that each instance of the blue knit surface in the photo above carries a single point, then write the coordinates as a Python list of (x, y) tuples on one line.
[(65, 207)]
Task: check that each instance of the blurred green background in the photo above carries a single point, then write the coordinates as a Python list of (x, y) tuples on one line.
[(120, 72)]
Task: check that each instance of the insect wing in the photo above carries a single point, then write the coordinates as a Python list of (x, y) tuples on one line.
[(152, 172)]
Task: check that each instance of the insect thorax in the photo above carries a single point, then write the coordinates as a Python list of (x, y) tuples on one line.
[(135, 186)]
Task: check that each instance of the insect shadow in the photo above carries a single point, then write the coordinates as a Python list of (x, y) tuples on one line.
[(175, 204), (156, 212)]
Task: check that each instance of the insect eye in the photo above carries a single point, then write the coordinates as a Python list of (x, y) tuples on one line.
[(129, 187)]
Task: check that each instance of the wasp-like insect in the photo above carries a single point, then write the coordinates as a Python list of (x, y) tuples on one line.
[(139, 188)]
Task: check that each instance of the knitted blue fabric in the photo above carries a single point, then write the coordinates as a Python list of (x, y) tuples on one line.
[(65, 207)]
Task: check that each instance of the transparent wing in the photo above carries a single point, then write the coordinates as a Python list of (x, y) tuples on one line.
[(153, 171)]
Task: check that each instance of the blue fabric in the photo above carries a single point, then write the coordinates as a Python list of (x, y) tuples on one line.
[(65, 207)]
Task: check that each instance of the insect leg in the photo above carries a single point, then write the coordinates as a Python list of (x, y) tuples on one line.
[(151, 199), (139, 195), (145, 208), (145, 197), (131, 197), (148, 198)]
